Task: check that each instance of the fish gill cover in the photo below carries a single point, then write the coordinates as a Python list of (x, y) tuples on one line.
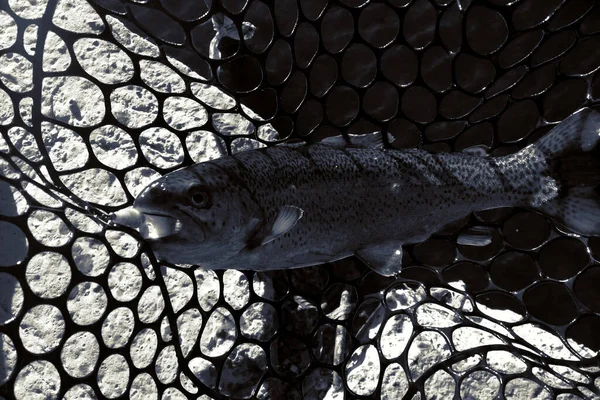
[(98, 99)]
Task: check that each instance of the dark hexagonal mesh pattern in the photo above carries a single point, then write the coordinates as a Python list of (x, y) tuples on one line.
[(98, 99)]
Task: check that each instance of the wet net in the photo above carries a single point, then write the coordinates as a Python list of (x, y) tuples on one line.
[(98, 99)]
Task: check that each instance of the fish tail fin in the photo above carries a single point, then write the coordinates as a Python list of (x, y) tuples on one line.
[(572, 153)]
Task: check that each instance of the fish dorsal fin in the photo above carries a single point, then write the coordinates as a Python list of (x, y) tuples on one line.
[(372, 140), (478, 236), (287, 217), (384, 258)]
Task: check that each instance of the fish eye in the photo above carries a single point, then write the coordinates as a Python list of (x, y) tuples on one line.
[(198, 196)]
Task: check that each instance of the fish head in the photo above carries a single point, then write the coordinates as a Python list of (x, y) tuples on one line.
[(199, 215)]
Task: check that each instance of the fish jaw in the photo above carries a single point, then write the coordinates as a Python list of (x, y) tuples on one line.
[(151, 224)]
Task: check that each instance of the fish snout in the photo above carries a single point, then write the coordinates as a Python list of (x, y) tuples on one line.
[(153, 196)]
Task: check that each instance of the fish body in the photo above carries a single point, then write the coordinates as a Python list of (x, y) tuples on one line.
[(283, 207)]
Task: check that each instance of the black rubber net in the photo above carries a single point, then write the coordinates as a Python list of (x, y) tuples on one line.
[(98, 99)]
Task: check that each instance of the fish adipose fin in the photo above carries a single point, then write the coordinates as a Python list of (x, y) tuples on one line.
[(572, 151), (286, 219), (383, 258)]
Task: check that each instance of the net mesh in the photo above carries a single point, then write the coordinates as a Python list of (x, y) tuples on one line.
[(98, 99)]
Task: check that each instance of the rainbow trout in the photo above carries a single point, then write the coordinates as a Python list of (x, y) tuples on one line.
[(285, 207)]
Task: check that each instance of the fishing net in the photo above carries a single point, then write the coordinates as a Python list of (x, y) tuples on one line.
[(98, 99)]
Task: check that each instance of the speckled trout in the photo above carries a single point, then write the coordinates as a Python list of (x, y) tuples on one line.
[(287, 207)]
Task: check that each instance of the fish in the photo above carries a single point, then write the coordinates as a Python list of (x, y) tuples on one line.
[(295, 206)]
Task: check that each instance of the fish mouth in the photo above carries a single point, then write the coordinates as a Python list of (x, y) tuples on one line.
[(158, 226), (151, 223)]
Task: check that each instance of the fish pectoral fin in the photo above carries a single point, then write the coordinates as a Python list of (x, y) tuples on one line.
[(477, 236), (286, 219), (384, 258)]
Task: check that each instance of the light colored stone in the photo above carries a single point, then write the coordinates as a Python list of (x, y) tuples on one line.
[(48, 274), (30, 37), (66, 148), (179, 287), (124, 281), (242, 371), (522, 388), (28, 9), (7, 111), (16, 72), (143, 348), (38, 380), (11, 298), (73, 100), (182, 113), (143, 387), (96, 185), (208, 289), (160, 77), (394, 384), (113, 147), (137, 179), (103, 60), (440, 386), (151, 305), (122, 243), (86, 303), (113, 376), (42, 329), (82, 222), (80, 392), (480, 385), (166, 366), (230, 124), (134, 106), (466, 337), (188, 328), (219, 333), (236, 289), (117, 328), (543, 340), (204, 370), (26, 110), (362, 370), (79, 354), (431, 315), (56, 54), (161, 147), (8, 358), (25, 143), (427, 349), (395, 336), (402, 296), (90, 255), (205, 146), (49, 229), (259, 321), (505, 362), (9, 29), (77, 16), (212, 96), (133, 42)]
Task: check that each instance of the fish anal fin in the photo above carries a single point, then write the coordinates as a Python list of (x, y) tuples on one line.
[(384, 258)]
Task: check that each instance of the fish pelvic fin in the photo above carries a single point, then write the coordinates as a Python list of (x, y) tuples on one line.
[(384, 258), (572, 153)]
